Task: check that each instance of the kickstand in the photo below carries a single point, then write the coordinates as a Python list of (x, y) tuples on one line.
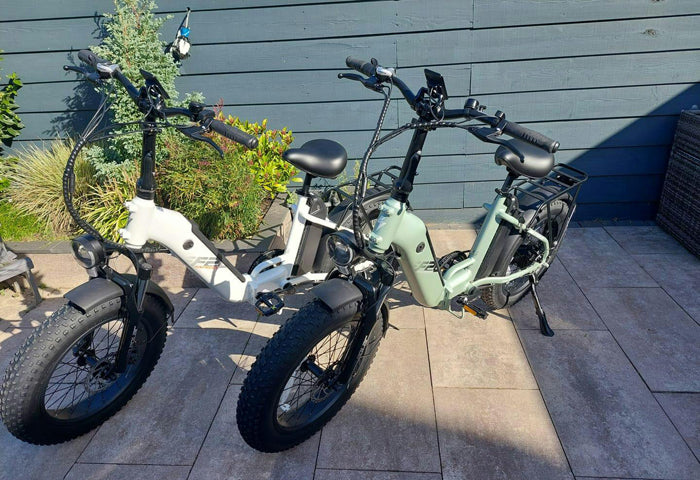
[(544, 325)]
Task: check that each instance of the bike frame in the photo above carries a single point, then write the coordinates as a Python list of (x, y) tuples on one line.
[(399, 228), (407, 233), (149, 222)]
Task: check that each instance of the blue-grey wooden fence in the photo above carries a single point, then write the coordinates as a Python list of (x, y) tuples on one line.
[(605, 77)]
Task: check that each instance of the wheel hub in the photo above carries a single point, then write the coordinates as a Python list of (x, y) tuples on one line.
[(101, 375)]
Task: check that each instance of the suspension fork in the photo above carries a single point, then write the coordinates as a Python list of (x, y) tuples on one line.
[(369, 316), (134, 294)]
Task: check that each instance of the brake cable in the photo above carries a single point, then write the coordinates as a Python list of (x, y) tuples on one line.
[(361, 182)]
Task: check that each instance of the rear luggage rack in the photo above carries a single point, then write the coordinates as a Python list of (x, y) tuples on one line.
[(383, 179), (561, 182)]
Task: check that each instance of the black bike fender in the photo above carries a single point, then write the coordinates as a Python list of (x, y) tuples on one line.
[(99, 290), (337, 293), (93, 293)]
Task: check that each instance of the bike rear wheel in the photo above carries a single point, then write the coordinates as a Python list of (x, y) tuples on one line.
[(515, 252)]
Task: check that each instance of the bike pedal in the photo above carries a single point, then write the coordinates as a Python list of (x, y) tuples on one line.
[(268, 303), (473, 309)]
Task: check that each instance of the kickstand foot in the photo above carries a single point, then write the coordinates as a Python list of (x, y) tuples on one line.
[(544, 324)]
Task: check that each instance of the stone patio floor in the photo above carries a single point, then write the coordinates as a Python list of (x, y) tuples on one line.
[(615, 394)]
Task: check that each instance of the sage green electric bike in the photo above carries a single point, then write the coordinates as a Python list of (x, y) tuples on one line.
[(312, 365)]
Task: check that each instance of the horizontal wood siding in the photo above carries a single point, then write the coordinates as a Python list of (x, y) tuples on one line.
[(607, 78)]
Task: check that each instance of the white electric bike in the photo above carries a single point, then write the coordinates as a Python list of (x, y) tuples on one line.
[(92, 355)]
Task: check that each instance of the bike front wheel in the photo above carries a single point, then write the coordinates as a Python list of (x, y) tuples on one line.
[(292, 389), (62, 384)]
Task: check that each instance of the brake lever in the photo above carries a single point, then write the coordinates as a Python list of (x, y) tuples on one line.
[(371, 83), (351, 76), (92, 77), (490, 135), (196, 132)]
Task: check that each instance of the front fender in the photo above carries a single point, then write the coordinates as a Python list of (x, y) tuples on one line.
[(99, 290), (337, 293)]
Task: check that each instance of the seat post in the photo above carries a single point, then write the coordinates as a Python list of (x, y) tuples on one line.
[(304, 190)]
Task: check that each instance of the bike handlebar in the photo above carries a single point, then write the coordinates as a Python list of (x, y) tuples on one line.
[(107, 69), (87, 56), (509, 128), (530, 136), (361, 66), (232, 133)]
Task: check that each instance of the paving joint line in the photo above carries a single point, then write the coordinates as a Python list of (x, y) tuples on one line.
[(87, 444), (197, 289), (432, 392), (544, 402), (218, 408)]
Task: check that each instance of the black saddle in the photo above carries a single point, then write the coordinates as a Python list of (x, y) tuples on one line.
[(320, 158), (535, 163)]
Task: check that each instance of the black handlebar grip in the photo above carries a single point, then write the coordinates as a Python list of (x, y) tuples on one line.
[(361, 66), (531, 136), (90, 58), (232, 133)]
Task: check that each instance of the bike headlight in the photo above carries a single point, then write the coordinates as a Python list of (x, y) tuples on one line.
[(88, 251), (340, 250)]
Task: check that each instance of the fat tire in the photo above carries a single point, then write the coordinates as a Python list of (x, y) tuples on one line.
[(21, 395), (506, 244), (267, 255), (257, 403)]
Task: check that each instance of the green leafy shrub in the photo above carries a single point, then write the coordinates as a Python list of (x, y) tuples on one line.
[(104, 207), (271, 172), (220, 194), (10, 124), (36, 183), (133, 41)]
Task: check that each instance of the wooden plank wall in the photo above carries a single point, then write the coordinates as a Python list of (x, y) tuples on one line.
[(607, 78)]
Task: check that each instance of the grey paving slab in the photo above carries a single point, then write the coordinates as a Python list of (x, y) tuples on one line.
[(261, 334), (21, 460), (615, 478), (389, 423), (448, 240), (594, 259), (166, 422), (497, 434), (564, 303), (684, 411), (97, 471), (404, 310), (679, 275), (476, 353), (57, 270), (208, 310), (326, 474), (180, 297), (660, 339), (609, 424), (11, 340), (225, 455), (37, 315), (642, 240), (170, 272)]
